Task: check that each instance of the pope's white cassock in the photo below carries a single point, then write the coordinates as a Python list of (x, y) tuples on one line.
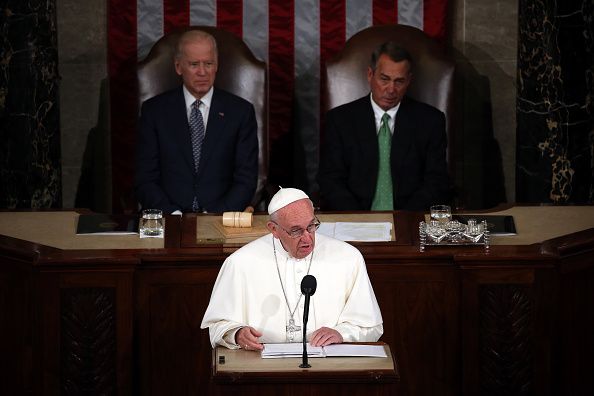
[(248, 292)]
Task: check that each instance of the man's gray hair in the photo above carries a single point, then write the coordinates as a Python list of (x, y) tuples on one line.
[(393, 51), (193, 36)]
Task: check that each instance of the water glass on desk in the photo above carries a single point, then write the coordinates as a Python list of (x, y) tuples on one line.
[(151, 224), (441, 213)]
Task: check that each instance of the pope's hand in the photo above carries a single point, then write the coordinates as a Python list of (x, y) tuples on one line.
[(247, 338), (325, 336)]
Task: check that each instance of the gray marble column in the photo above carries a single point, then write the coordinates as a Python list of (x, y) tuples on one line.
[(555, 104), (30, 173)]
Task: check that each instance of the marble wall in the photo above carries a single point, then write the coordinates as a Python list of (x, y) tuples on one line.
[(555, 104), (86, 147), (30, 172), (484, 46)]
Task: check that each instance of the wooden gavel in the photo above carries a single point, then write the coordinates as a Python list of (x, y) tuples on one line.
[(238, 219)]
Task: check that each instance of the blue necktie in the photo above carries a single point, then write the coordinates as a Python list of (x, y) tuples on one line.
[(383, 198), (197, 136)]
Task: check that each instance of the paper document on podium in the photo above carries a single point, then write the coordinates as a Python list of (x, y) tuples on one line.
[(295, 350), (357, 232)]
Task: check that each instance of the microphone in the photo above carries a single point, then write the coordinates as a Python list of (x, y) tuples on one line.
[(308, 288)]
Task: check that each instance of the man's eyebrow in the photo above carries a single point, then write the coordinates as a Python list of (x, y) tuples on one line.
[(298, 226), (399, 78)]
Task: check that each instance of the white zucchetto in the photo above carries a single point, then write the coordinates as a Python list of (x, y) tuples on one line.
[(283, 197)]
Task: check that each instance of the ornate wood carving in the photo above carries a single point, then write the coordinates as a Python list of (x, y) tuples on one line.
[(505, 341), (88, 341)]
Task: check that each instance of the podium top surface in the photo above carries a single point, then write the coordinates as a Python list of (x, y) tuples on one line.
[(534, 224), (238, 365), (58, 229)]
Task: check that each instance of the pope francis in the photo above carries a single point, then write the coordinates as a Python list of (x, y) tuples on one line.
[(257, 296)]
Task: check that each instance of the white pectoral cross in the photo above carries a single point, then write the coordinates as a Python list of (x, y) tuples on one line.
[(291, 329)]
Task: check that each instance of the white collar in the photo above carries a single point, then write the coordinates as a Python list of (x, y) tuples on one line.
[(379, 112), (190, 99), (282, 253)]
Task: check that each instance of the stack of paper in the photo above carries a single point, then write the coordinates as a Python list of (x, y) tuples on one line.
[(358, 232), (290, 350), (334, 350)]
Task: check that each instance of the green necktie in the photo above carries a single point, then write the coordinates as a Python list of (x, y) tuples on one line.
[(383, 191)]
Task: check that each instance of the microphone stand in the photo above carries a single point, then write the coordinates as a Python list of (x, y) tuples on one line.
[(304, 363)]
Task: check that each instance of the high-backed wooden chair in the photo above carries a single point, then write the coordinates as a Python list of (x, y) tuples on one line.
[(433, 72), (239, 72)]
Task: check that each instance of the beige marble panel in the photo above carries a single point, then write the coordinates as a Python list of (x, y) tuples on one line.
[(82, 51), (82, 31), (484, 44), (456, 20), (503, 106), (491, 26), (70, 177), (79, 100)]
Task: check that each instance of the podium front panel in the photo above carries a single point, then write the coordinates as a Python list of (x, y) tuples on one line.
[(238, 365)]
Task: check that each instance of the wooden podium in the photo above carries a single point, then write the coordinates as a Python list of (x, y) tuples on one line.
[(246, 372), (121, 315)]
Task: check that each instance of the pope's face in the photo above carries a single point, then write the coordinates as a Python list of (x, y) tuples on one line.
[(197, 66), (293, 217), (389, 81)]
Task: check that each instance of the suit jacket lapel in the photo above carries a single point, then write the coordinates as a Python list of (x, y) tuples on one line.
[(403, 136), (181, 127), (214, 128), (367, 135)]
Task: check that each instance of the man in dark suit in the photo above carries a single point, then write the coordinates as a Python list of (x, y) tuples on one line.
[(384, 151), (198, 146)]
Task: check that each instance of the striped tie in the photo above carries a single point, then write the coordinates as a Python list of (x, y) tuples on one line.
[(197, 137), (383, 198), (196, 132)]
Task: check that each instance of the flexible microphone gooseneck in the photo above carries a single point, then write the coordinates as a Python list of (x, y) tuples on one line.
[(308, 288)]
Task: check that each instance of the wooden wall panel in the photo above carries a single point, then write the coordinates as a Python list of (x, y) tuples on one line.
[(15, 328), (575, 344), (419, 306), (66, 304), (88, 341), (506, 329), (175, 354)]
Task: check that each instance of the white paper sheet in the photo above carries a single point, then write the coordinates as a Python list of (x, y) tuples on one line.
[(358, 232), (293, 349), (355, 350), (285, 350)]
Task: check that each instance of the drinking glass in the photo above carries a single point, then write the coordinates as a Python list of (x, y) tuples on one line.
[(151, 224), (441, 213)]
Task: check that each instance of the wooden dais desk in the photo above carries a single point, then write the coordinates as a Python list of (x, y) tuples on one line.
[(122, 315)]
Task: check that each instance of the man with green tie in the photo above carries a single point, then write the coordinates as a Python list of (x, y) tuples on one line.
[(384, 151)]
